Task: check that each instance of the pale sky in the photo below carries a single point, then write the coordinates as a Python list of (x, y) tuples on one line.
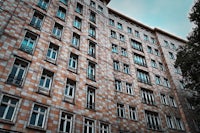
[(168, 15)]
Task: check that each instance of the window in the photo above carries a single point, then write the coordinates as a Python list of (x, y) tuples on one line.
[(153, 63), (92, 17), (152, 120), (171, 56), (52, 52), (46, 81), (143, 77), (61, 13), (92, 4), (157, 52), (158, 80), (76, 40), (166, 43), (161, 66), (121, 37), (37, 19), (91, 71), (166, 83), (129, 89), (137, 34), (119, 26), (173, 46), (129, 30), (91, 49), (89, 126), (114, 48), (179, 124), (66, 122), (126, 69), (79, 8), (170, 122), (64, 1), (172, 101), (104, 128), (38, 116), (92, 31), (116, 65), (18, 72), (132, 113), (90, 98), (190, 104), (57, 30), (29, 42), (8, 108), (113, 34), (149, 49), (140, 60), (146, 38), (153, 41), (100, 9), (73, 62), (43, 4), (124, 52), (163, 98), (147, 97), (136, 45), (77, 23), (111, 22), (177, 70), (70, 88), (118, 85), (181, 84), (120, 110)]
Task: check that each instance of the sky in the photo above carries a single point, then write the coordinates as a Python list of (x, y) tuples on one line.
[(168, 15)]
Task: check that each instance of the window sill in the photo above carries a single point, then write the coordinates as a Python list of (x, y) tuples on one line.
[(94, 110), (77, 28), (36, 128), (58, 38), (37, 28), (51, 61), (43, 92), (91, 79), (61, 18), (72, 70), (7, 122), (76, 47), (69, 100), (16, 85)]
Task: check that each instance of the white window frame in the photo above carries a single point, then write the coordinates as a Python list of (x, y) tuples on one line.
[(152, 118), (132, 113), (61, 13), (73, 60), (90, 97), (126, 69), (172, 101), (52, 48), (37, 20), (129, 88), (91, 71), (124, 52), (57, 30), (118, 85), (104, 128), (77, 22), (42, 3), (92, 49), (116, 65), (114, 48), (147, 96), (66, 120), (179, 124), (120, 110), (69, 87), (75, 40), (88, 125), (164, 99), (170, 122)]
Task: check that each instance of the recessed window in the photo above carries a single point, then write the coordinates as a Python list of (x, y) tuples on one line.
[(149, 49), (92, 17), (171, 55), (121, 38), (166, 44), (104, 128), (64, 1), (153, 40), (37, 20), (100, 9), (129, 88), (77, 23), (92, 4), (163, 98), (79, 8), (120, 110), (166, 83), (136, 45), (119, 26), (124, 52), (173, 46), (46, 81), (111, 22), (140, 60), (29, 42), (57, 30), (116, 65), (157, 52), (38, 117), (152, 120), (113, 34), (91, 71), (137, 34), (132, 113), (89, 126), (177, 70), (181, 84), (61, 13), (73, 62), (70, 88), (18, 72), (92, 49), (172, 101), (75, 40), (158, 80), (66, 122), (146, 38), (114, 48), (8, 108), (179, 124), (90, 98), (43, 4), (129, 30), (92, 31), (147, 97), (52, 52), (161, 66), (126, 69), (170, 122), (118, 85), (143, 76), (153, 64)]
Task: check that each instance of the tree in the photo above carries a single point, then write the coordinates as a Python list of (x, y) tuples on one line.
[(188, 57)]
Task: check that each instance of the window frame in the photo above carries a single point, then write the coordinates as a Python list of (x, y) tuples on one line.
[(66, 119)]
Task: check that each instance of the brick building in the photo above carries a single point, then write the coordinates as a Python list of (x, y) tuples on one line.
[(77, 66)]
